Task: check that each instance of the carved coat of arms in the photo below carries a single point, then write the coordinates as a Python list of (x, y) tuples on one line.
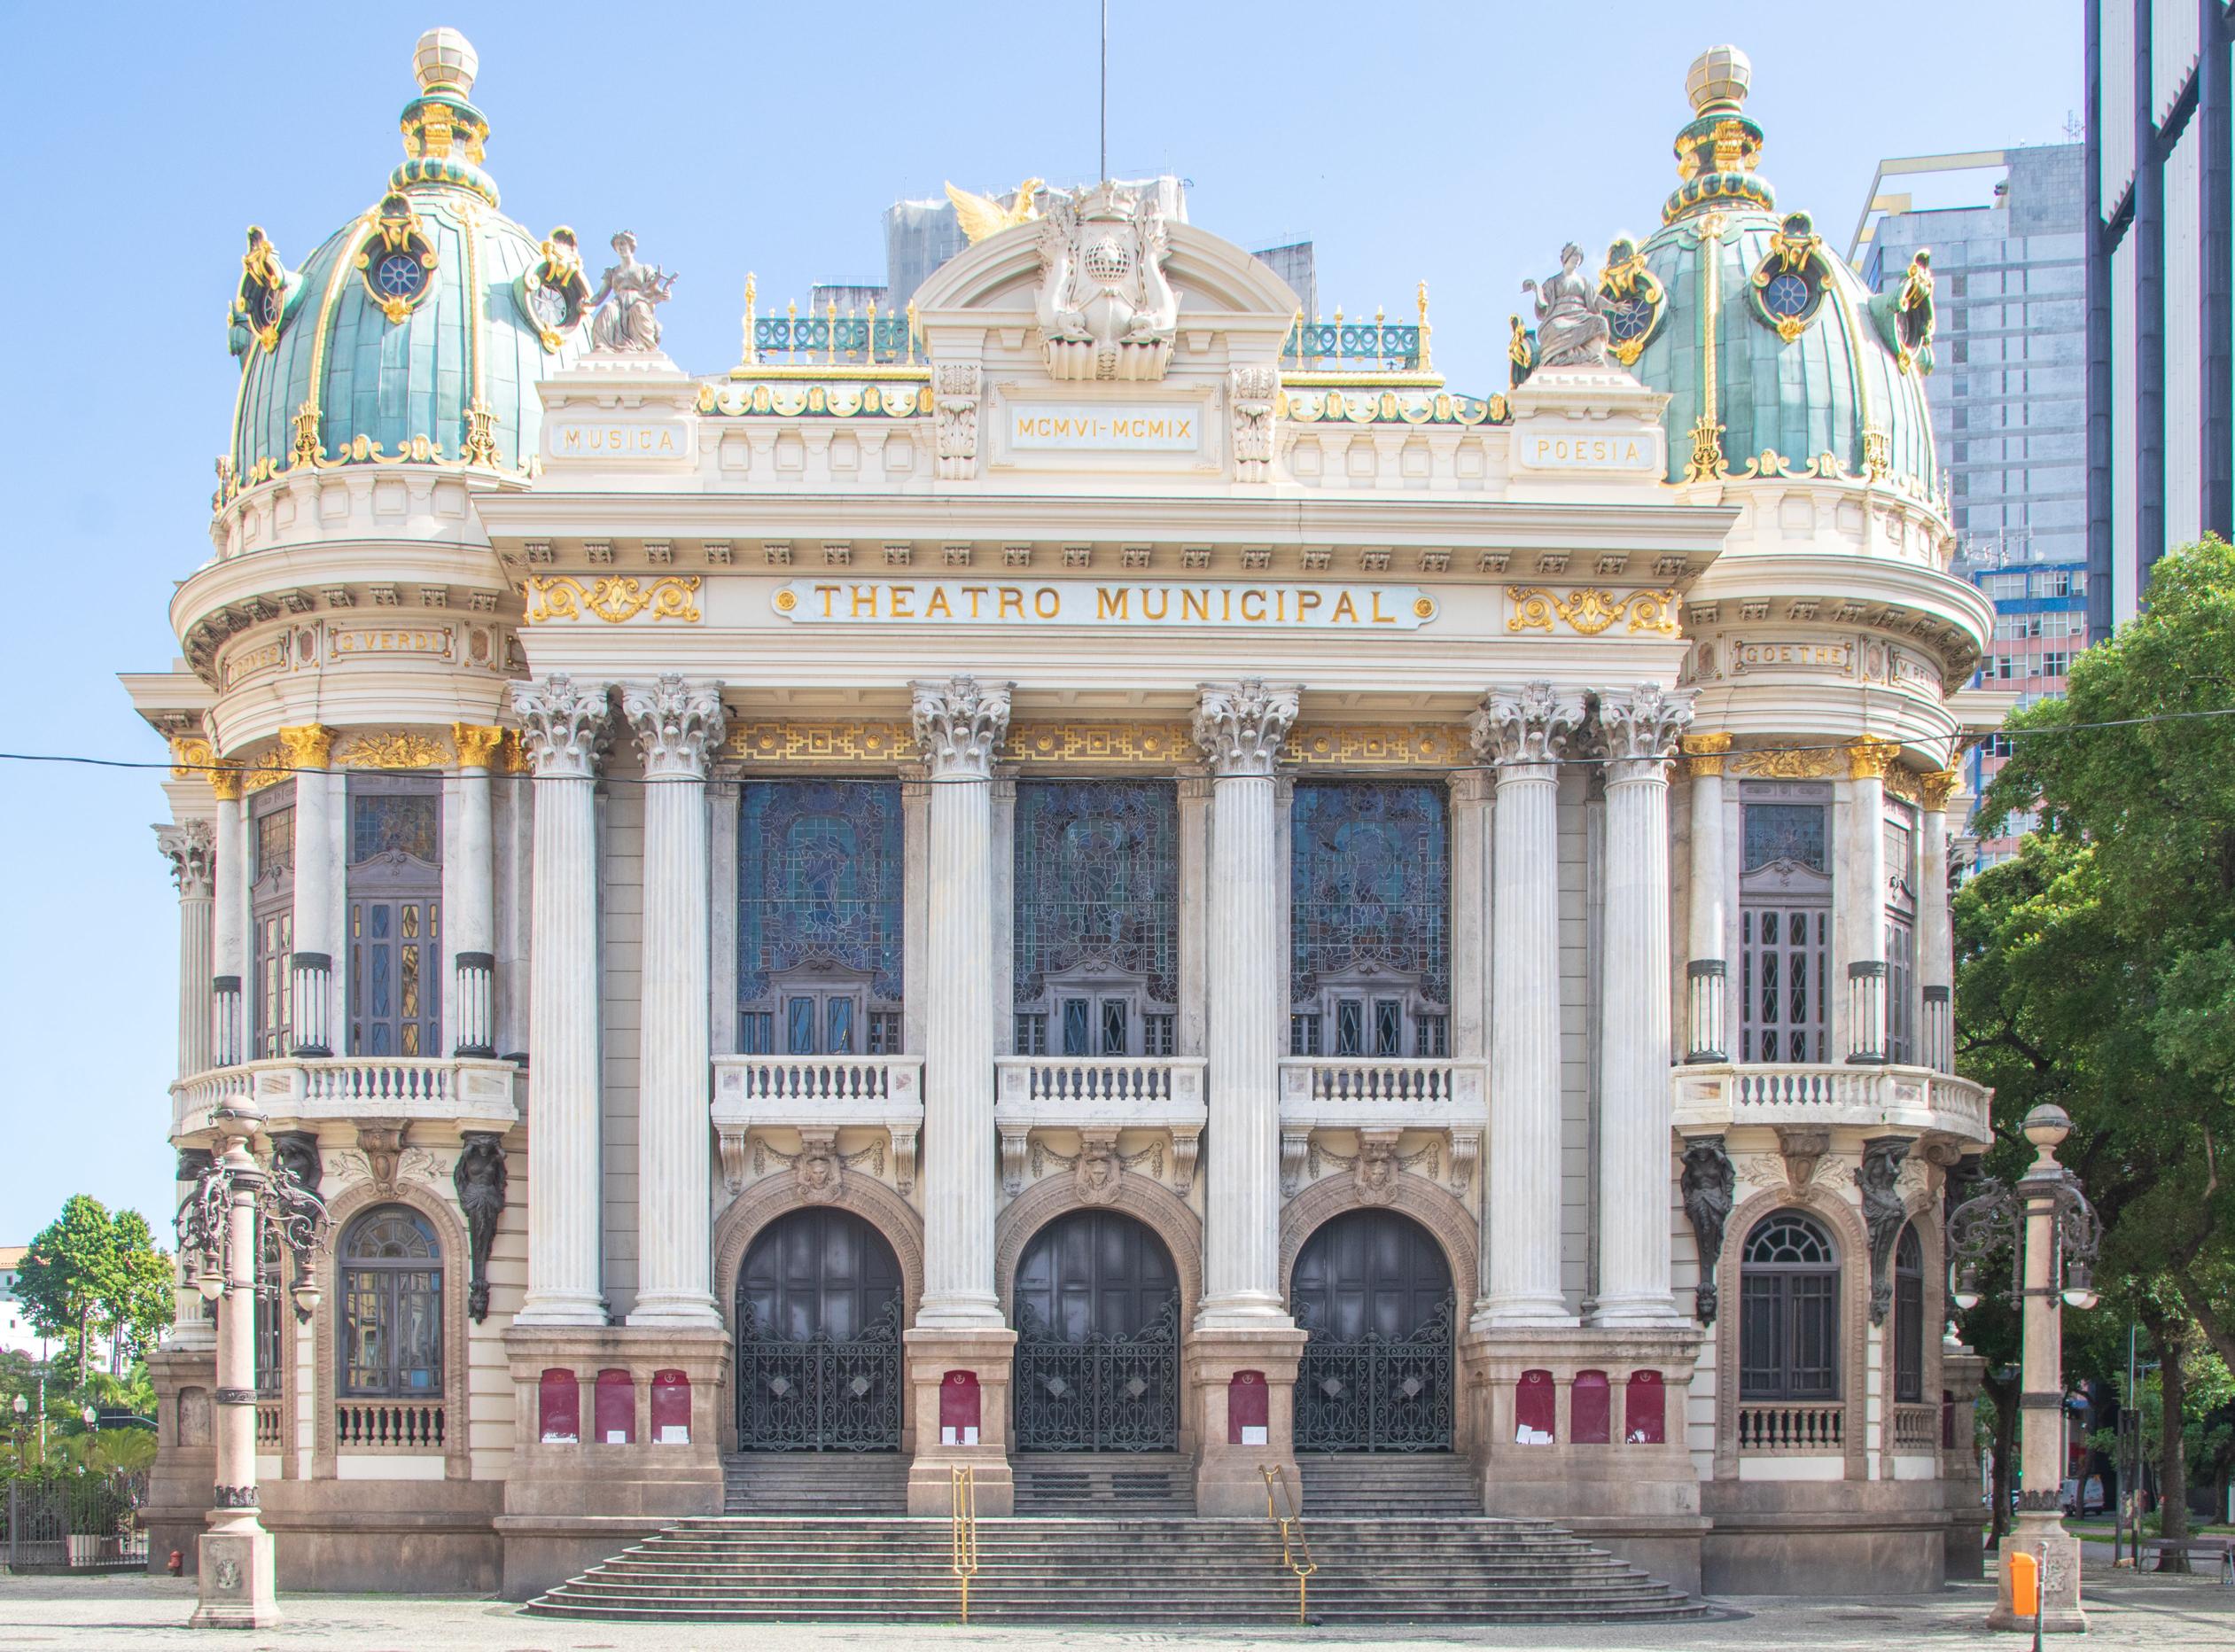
[(1105, 309)]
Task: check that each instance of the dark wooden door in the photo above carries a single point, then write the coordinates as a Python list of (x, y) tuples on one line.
[(1375, 1292), (1098, 1337), (819, 1337)]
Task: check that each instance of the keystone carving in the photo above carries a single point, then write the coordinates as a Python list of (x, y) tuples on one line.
[(1802, 1149)]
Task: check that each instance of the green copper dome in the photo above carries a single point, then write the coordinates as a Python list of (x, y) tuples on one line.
[(416, 333), (1776, 358)]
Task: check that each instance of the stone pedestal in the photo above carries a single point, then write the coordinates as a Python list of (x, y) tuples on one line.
[(989, 1355), (237, 1574), (185, 1466), (1962, 1374), (2041, 1534), (1230, 1474)]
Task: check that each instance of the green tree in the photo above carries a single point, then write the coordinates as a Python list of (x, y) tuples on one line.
[(140, 1306), (69, 1271)]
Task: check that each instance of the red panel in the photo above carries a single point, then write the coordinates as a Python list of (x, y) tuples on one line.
[(1591, 1409), (671, 1408), (1534, 1405), (1248, 1409), (558, 1408), (1645, 1410), (614, 1413), (959, 1408)]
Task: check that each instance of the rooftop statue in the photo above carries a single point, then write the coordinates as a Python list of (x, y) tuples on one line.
[(1105, 309), (624, 301), (1571, 323), (980, 216)]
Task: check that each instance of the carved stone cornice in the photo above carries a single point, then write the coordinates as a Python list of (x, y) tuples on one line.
[(307, 745), (959, 724), (1240, 726), (192, 847), (1640, 728), (1703, 754), (477, 744), (675, 723), (1531, 724), (565, 724), (1869, 760)]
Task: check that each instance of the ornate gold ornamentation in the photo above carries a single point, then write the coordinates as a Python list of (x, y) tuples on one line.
[(612, 598), (879, 741), (225, 781), (480, 435), (478, 743), (1787, 763), (396, 229), (1377, 745), (1869, 760), (1591, 610), (1086, 743), (1707, 462), (1935, 786), (395, 748), (267, 770), (1654, 611), (1878, 455), (190, 757), (307, 745), (1903, 783), (514, 755), (980, 216), (1423, 607), (786, 601), (1705, 752)]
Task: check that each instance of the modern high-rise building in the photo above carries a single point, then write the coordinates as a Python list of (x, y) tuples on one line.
[(2161, 289), (2009, 397)]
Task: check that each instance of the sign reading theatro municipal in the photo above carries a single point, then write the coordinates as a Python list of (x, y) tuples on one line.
[(1089, 879)]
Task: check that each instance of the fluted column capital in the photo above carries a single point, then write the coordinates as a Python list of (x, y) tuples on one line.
[(564, 723), (477, 744), (959, 724), (1534, 723), (307, 745), (1639, 730), (1240, 726), (676, 723), (191, 847)]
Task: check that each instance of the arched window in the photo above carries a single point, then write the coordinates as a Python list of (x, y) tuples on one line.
[(819, 935), (1788, 1321), (1908, 1317), (391, 1306)]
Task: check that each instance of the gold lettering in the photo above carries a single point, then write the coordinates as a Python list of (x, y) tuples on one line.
[(1048, 602), (974, 592), (1379, 617), (1111, 605), (1182, 427), (1225, 607), (572, 440), (1258, 617), (1280, 605), (937, 607), (1011, 596), (668, 441), (903, 602), (1343, 606), (1162, 596), (1306, 602), (865, 594), (1197, 603), (826, 592)]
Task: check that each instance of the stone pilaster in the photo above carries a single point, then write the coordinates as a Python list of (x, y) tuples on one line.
[(959, 724), (1524, 732), (191, 848), (307, 747), (564, 726), (1240, 727), (229, 923), (675, 724), (1641, 729), (1936, 941), (1706, 977), (471, 939)]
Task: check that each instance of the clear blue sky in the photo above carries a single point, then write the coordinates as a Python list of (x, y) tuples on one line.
[(1458, 144)]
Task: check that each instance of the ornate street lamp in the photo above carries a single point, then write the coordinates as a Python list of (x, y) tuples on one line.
[(2053, 1235), (218, 1230)]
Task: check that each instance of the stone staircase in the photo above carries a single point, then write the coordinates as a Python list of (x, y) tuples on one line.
[(833, 1484), (1103, 1483), (1170, 1572), (1363, 1485)]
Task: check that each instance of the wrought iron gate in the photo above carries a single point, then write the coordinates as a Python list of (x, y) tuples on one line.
[(1375, 1392), (1101, 1393), (821, 1393)]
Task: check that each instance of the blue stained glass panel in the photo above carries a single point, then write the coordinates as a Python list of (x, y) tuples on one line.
[(1785, 831), (1097, 883), (819, 876), (1369, 882), (1785, 295)]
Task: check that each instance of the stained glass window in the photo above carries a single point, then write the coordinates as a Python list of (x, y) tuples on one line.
[(395, 917), (391, 1306), (274, 842), (1097, 884), (1369, 883), (1786, 831), (819, 882), (395, 823)]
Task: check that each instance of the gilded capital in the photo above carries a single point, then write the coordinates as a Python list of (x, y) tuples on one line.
[(1869, 760), (1704, 753), (959, 724), (477, 744), (1531, 724), (307, 745), (1642, 725), (563, 724), (1241, 726), (191, 848), (675, 723), (228, 780), (1937, 786)]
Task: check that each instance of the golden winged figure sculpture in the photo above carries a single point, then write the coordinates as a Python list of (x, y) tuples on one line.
[(980, 216)]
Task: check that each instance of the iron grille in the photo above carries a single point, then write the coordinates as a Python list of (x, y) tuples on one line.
[(825, 1394), (1105, 1393), (1375, 1392)]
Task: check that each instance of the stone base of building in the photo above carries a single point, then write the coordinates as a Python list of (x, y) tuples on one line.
[(1836, 1536), (2058, 1576), (958, 1417), (361, 1535), (1231, 1459)]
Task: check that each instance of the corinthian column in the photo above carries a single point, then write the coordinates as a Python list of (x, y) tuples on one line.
[(1240, 727), (1861, 895), (1641, 729), (473, 909), (307, 747), (565, 725), (958, 724), (191, 848), (1936, 944), (1707, 975), (674, 723), (1524, 733), (229, 928)]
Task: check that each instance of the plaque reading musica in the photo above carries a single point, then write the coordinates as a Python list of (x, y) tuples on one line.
[(1023, 602)]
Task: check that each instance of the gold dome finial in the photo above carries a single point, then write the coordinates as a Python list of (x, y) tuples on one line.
[(1718, 81), (446, 59)]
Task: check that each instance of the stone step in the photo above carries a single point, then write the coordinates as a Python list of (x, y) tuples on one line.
[(852, 1484), (1368, 1485), (1060, 1483)]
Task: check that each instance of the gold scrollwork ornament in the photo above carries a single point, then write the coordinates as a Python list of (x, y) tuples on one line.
[(612, 598)]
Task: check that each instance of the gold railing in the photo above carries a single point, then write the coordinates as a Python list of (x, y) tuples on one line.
[(965, 1561), (1295, 1548)]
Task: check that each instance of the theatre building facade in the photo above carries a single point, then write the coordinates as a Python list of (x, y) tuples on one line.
[(1096, 880)]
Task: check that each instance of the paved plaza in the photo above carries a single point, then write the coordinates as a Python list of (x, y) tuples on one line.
[(2162, 1614)]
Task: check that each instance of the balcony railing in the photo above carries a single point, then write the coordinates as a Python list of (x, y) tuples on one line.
[(268, 1434), (477, 1092), (390, 1425), (1717, 1097), (1431, 1083), (1793, 1428), (1091, 1082), (1915, 1428), (817, 1080)]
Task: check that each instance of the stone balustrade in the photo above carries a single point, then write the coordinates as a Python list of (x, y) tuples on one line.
[(1382, 1098), (1915, 1428), (389, 1425), (1714, 1098), (474, 1093), (1793, 1428), (1100, 1095), (818, 1092)]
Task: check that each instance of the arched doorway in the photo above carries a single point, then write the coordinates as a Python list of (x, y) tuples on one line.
[(818, 1321), (1097, 1338), (1374, 1290)]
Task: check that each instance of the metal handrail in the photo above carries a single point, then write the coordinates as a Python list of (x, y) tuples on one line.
[(1295, 1548), (965, 1559)]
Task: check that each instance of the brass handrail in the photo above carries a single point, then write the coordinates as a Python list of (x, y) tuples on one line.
[(1295, 1548), (965, 1556)]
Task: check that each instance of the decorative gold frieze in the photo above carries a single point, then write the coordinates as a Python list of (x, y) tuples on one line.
[(268, 770), (1705, 752), (822, 743), (1790, 763), (192, 757), (395, 748), (1591, 610), (612, 598), (1086, 743), (307, 745), (1393, 745), (1869, 760), (478, 744)]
